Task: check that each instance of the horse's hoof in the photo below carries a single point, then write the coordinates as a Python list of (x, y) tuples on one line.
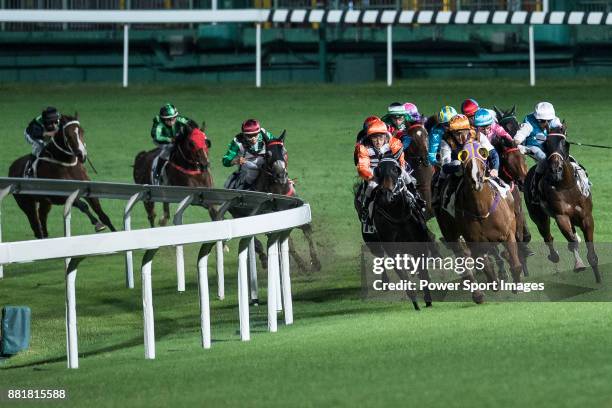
[(163, 222), (579, 266), (99, 227), (254, 302), (416, 306), (554, 257), (316, 266), (428, 304)]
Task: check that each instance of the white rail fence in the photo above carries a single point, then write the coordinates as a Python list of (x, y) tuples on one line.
[(387, 18), (281, 215)]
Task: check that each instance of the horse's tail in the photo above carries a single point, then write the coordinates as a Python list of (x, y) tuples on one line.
[(140, 168)]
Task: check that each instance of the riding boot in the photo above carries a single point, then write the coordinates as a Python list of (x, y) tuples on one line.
[(157, 174)]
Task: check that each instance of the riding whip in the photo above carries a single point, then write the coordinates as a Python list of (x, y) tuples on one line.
[(92, 166), (590, 145)]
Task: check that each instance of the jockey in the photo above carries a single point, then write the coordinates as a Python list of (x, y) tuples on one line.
[(460, 133), (396, 118), (42, 128), (167, 126), (532, 134), (378, 141), (469, 107), (412, 117), (246, 150), (485, 124), (362, 135), (438, 131)]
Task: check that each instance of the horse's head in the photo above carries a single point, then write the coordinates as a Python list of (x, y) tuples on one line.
[(507, 119), (513, 166), (417, 152), (71, 137), (557, 147), (388, 172), (276, 159), (194, 148), (473, 158)]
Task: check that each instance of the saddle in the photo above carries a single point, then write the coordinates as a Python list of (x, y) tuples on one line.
[(582, 178), (159, 176)]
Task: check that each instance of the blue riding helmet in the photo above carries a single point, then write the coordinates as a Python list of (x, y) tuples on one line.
[(446, 114), (482, 118)]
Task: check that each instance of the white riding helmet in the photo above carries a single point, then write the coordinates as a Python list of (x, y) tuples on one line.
[(494, 114), (544, 111)]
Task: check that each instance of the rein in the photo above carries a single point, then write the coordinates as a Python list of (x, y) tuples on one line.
[(69, 152), (199, 169)]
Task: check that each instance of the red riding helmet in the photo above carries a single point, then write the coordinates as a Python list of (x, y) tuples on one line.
[(469, 107), (251, 127)]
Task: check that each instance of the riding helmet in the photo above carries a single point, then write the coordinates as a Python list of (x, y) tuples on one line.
[(544, 111), (469, 107), (50, 115), (446, 114), (482, 118), (168, 111), (251, 127), (377, 127), (459, 122), (396, 109)]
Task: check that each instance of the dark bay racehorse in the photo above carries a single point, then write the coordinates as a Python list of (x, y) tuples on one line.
[(513, 168), (561, 199), (62, 158), (274, 178), (396, 220), (188, 167), (417, 157), (482, 215)]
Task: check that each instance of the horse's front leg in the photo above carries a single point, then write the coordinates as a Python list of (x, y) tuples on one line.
[(565, 225), (314, 257), (164, 219), (84, 208), (95, 205), (513, 258)]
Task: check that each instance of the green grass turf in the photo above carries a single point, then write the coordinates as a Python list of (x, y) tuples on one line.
[(341, 351)]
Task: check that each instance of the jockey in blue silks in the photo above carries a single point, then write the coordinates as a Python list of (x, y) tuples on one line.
[(533, 133), (438, 131)]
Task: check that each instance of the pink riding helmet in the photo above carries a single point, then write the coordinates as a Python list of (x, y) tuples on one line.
[(412, 110)]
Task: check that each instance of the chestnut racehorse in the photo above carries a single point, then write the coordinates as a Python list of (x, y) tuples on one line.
[(561, 199), (188, 167), (62, 158), (482, 215), (416, 156)]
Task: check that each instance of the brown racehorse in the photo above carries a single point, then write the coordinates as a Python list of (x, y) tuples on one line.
[(187, 167), (482, 215), (273, 178), (561, 199), (513, 170), (62, 158), (416, 156)]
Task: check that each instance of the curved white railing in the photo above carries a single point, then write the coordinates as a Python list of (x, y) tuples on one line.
[(275, 224)]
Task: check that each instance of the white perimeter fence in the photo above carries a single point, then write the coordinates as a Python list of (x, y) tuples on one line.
[(272, 215), (387, 18)]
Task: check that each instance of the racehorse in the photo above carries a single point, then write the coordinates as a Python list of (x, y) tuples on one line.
[(482, 215), (513, 169), (561, 199), (188, 166), (62, 158), (273, 178), (396, 218), (418, 160)]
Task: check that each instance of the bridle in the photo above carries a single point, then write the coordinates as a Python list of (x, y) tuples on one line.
[(70, 151), (417, 160), (556, 153)]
